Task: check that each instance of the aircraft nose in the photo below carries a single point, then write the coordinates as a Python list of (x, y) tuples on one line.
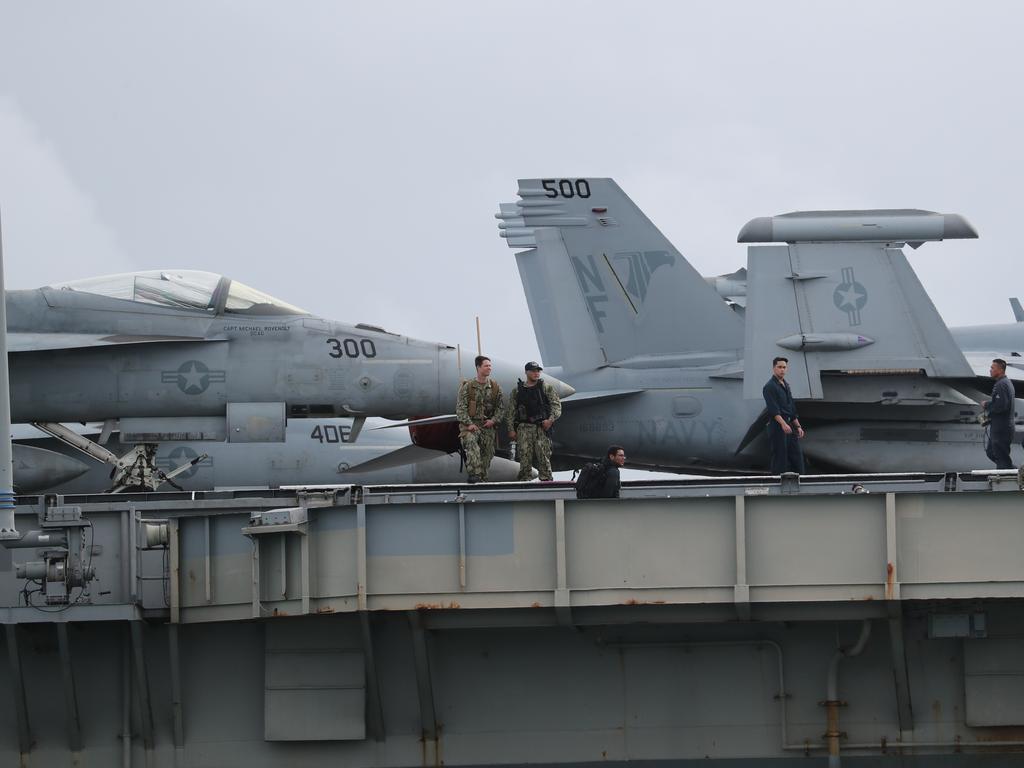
[(563, 389), (507, 374), (503, 470), (443, 469)]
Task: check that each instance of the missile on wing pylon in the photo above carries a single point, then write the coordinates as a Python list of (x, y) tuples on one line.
[(830, 342)]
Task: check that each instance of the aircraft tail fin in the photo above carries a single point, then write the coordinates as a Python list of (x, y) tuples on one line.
[(1018, 311), (841, 297), (603, 283)]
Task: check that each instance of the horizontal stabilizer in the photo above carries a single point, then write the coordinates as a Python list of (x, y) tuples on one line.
[(19, 341), (756, 429), (845, 306), (409, 454), (732, 288)]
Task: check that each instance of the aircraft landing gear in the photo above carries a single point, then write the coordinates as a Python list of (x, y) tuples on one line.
[(135, 471)]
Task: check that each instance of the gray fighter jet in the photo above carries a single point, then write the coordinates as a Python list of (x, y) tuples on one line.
[(668, 369), (1005, 339), (189, 355), (315, 452)]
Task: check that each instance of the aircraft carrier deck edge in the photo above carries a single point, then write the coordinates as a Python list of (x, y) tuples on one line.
[(741, 620)]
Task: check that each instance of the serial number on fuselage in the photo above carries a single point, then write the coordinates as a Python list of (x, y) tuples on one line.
[(352, 348), (597, 426)]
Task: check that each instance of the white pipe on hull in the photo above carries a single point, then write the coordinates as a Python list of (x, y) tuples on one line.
[(8, 531), (832, 702)]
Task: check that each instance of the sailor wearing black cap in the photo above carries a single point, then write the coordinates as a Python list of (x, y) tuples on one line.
[(532, 410)]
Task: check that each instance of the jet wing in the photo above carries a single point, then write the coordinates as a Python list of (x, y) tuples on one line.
[(409, 454), (980, 362), (578, 398), (448, 417), (20, 341)]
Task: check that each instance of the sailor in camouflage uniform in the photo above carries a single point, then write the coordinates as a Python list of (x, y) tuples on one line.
[(532, 409), (479, 409)]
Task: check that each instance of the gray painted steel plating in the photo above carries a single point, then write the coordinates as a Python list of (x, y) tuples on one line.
[(512, 623)]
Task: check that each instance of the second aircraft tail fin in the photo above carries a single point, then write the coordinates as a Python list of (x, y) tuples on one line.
[(1018, 311), (840, 297)]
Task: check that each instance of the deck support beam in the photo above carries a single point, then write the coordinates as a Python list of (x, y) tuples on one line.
[(18, 691), (374, 708), (70, 698), (424, 686), (142, 685), (177, 715)]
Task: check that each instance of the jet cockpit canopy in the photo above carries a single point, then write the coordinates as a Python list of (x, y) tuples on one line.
[(184, 289)]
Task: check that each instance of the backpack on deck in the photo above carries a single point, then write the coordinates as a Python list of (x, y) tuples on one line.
[(590, 481)]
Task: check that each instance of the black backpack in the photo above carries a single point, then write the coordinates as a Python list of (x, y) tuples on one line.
[(590, 481)]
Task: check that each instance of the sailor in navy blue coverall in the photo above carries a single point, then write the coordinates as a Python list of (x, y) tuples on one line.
[(1000, 413), (784, 428)]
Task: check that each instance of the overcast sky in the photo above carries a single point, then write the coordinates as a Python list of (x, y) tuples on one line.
[(349, 158)]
